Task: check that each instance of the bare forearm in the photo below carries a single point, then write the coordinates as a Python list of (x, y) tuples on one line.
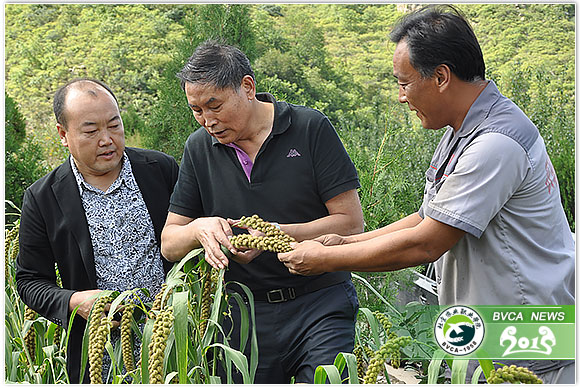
[(342, 224), (177, 241), (410, 221), (388, 252), (403, 248)]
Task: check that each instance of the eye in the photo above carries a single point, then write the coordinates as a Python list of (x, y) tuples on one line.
[(215, 107)]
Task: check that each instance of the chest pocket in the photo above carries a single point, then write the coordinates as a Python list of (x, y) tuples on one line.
[(436, 175)]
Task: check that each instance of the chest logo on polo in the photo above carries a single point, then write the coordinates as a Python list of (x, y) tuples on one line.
[(293, 153)]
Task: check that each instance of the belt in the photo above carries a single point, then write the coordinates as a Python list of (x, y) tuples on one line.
[(285, 294)]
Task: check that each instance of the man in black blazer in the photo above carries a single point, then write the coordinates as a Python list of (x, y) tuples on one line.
[(59, 223)]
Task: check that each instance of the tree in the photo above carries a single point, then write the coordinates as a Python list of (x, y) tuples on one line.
[(171, 121), (23, 159)]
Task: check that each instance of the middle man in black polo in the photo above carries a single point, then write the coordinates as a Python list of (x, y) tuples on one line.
[(286, 164)]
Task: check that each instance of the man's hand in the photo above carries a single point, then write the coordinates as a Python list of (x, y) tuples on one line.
[(85, 300), (211, 232), (305, 259), (245, 256)]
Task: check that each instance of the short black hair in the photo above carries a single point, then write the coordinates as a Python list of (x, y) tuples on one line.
[(437, 35), (58, 105), (218, 64)]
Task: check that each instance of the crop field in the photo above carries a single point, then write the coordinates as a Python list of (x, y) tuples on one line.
[(179, 337)]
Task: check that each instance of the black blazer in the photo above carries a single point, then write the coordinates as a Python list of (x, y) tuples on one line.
[(54, 229)]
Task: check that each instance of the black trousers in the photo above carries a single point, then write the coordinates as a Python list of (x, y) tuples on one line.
[(296, 336)]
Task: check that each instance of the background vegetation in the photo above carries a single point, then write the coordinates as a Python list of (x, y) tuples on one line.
[(333, 57)]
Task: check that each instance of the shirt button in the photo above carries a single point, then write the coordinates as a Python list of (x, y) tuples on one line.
[(245, 162)]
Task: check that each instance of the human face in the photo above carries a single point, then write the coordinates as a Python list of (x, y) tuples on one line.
[(224, 113), (420, 94), (94, 133)]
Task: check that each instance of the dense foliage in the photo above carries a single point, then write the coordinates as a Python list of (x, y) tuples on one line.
[(23, 159), (333, 57)]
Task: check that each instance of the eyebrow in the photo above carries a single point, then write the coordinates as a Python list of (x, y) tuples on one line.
[(89, 123), (212, 99)]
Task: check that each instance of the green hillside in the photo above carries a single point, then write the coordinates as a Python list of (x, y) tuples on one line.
[(333, 57)]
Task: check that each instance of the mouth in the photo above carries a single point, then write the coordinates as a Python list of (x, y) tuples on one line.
[(107, 154), (218, 133)]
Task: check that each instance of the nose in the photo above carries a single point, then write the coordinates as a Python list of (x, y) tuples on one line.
[(209, 120), (402, 95), (106, 138)]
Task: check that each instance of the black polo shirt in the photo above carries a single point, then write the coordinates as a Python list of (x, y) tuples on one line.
[(301, 165)]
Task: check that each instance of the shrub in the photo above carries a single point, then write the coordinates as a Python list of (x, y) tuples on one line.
[(24, 162)]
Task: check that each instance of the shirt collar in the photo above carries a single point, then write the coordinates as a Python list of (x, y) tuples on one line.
[(125, 176), (480, 109)]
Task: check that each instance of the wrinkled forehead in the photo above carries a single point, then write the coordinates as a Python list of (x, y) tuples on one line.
[(203, 93)]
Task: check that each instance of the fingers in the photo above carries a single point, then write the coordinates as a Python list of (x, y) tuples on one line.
[(234, 223), (247, 256), (115, 324), (213, 234)]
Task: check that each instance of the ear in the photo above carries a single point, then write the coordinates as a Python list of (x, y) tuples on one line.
[(248, 87), (62, 134), (442, 76)]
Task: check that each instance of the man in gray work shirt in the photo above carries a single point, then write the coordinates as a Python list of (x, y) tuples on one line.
[(492, 217)]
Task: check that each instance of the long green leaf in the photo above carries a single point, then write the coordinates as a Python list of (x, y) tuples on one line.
[(476, 373), (349, 360), (237, 358), (118, 300), (180, 300), (254, 337), (459, 371), (147, 331), (374, 324), (14, 370), (111, 352), (182, 263), (244, 319), (323, 372), (215, 380), (435, 366), (168, 357), (485, 362), (170, 376), (374, 291)]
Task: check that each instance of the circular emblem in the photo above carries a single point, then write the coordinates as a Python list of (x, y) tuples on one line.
[(459, 330)]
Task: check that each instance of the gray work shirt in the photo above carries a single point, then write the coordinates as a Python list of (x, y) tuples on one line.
[(494, 180)]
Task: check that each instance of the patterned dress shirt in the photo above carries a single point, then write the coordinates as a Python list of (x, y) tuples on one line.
[(124, 245)]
